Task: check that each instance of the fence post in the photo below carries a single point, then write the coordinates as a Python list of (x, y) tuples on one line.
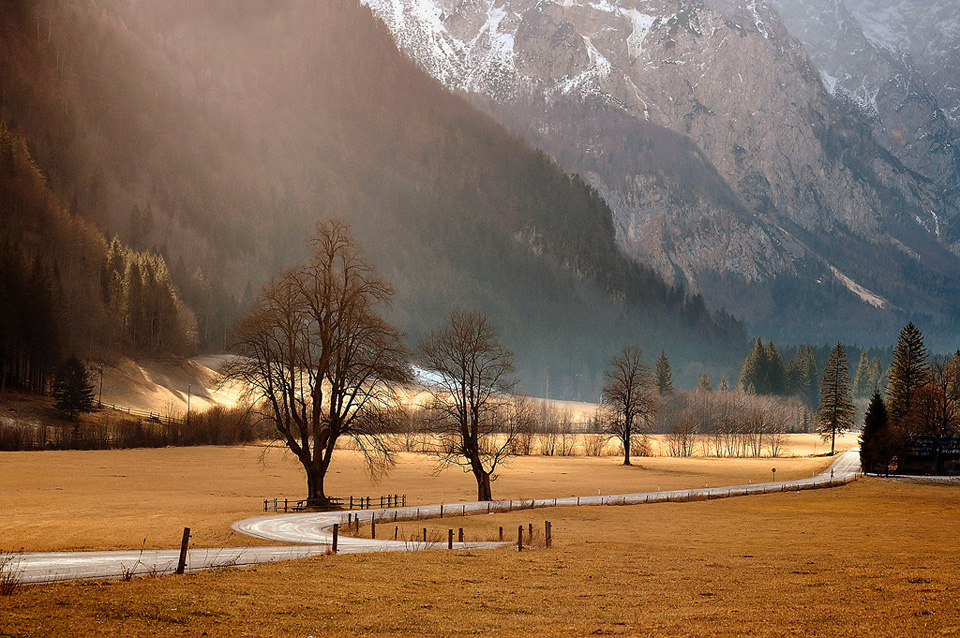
[(182, 563), (336, 534), (548, 533), (264, 505), (373, 528), (404, 500), (530, 532), (441, 510), (396, 530), (501, 533), (284, 505), (351, 501), (520, 538), (449, 539), (460, 535), (381, 502)]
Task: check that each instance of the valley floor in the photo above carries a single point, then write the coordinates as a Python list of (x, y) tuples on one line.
[(127, 499), (874, 558)]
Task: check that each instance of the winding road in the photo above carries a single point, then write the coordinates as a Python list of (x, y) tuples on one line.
[(312, 531)]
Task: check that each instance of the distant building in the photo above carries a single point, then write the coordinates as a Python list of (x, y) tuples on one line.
[(931, 454)]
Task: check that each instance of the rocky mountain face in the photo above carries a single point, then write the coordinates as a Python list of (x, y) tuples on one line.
[(905, 103), (926, 30), (729, 163)]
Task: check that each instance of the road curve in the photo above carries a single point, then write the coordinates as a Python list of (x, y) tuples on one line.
[(312, 531)]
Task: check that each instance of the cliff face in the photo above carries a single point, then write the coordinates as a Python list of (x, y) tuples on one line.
[(729, 163), (897, 96), (928, 31)]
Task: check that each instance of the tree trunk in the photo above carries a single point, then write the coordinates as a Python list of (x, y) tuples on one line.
[(833, 440), (315, 495), (626, 447), (483, 485)]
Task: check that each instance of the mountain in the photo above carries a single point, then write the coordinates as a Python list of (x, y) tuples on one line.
[(928, 31), (903, 102), (217, 134), (728, 163)]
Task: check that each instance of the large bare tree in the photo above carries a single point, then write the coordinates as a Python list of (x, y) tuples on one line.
[(629, 395), (320, 361), (470, 395)]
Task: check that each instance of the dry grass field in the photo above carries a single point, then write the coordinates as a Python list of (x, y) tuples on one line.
[(123, 499), (869, 559)]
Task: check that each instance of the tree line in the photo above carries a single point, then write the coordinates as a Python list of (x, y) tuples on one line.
[(920, 408)]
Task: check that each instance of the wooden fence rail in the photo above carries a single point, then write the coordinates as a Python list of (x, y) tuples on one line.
[(153, 416), (343, 502)]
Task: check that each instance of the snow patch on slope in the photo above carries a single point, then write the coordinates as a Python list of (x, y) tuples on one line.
[(642, 24)]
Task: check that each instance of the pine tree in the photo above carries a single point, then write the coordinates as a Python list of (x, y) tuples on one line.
[(836, 412), (909, 371), (776, 371), (862, 378), (704, 383), (876, 435), (802, 374), (869, 375), (72, 388), (663, 374), (753, 364), (723, 386)]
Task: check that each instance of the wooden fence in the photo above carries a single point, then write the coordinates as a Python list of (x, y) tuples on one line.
[(344, 502), (153, 416)]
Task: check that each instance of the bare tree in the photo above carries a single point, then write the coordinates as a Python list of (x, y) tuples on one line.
[(319, 360), (629, 394), (522, 412), (681, 439), (471, 395)]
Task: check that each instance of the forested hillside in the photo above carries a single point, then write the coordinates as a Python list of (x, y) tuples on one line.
[(216, 134), (64, 289)]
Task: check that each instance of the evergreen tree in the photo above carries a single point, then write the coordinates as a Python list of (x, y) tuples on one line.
[(868, 375), (802, 374), (72, 388), (704, 383), (723, 386), (876, 439), (909, 371), (776, 371), (753, 364), (663, 374), (861, 379), (836, 412), (763, 370)]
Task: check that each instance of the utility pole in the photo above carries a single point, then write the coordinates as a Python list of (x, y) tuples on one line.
[(189, 389), (100, 394)]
